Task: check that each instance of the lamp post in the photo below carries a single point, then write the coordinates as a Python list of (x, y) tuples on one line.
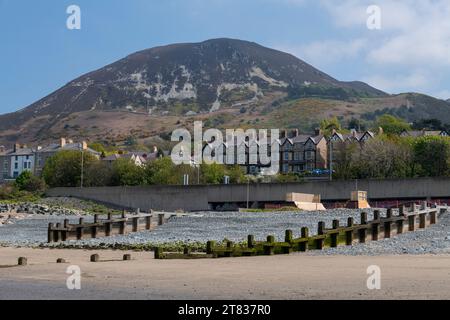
[(82, 165)]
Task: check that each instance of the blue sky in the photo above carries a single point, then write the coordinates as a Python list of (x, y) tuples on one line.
[(411, 52)]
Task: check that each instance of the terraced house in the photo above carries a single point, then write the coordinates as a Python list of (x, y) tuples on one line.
[(22, 158)]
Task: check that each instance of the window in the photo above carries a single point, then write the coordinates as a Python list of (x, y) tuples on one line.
[(285, 168), (310, 155), (16, 166), (286, 156)]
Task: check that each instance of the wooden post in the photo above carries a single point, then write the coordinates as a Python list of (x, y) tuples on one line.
[(95, 258), (387, 229), (363, 217), (433, 215), (95, 218), (56, 233), (123, 224), (22, 261), (126, 257), (412, 222), (334, 236), (376, 215), (288, 237), (94, 229), (375, 230), (400, 226), (50, 233), (251, 241), (402, 210), (160, 219), (210, 247), (65, 232), (389, 213), (303, 246), (158, 253), (228, 251), (422, 220), (269, 247), (320, 232), (135, 221), (349, 233), (148, 222)]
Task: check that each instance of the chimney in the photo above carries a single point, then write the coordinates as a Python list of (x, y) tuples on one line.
[(62, 142), (2, 149), (318, 132), (155, 149), (84, 145), (16, 147), (294, 133), (283, 134), (380, 131), (353, 133), (70, 141), (39, 148)]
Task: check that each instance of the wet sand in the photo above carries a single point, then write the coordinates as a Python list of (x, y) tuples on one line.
[(295, 276)]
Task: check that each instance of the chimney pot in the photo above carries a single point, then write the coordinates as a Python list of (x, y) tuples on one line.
[(62, 142)]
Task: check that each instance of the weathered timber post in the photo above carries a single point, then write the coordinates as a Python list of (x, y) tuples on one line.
[(138, 211), (433, 217), (210, 247), (56, 233), (148, 222), (60, 260), (388, 224), (424, 205), (108, 226), (375, 230), (126, 257), (376, 215), (135, 221), (349, 233), (64, 233), (158, 253), (95, 258), (80, 229), (320, 232), (50, 233), (94, 229), (123, 224), (402, 210), (363, 231), (229, 249), (422, 220), (400, 224), (288, 236), (250, 241), (269, 247), (412, 222), (160, 219), (22, 261), (334, 236), (303, 246)]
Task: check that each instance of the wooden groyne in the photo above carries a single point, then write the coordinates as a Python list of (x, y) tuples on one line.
[(105, 226), (405, 220)]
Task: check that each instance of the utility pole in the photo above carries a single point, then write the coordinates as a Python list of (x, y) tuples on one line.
[(331, 160), (248, 192), (82, 165)]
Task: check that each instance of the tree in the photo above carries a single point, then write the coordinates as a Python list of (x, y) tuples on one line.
[(328, 125), (161, 171), (392, 125), (98, 174), (432, 154), (64, 168), (345, 160), (126, 173), (212, 173), (236, 174), (26, 181)]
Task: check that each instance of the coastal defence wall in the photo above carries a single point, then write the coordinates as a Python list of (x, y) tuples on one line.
[(199, 198)]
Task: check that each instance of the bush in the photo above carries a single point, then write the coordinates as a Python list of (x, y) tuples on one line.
[(26, 181)]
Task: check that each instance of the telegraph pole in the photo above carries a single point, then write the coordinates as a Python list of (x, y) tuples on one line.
[(331, 159), (82, 165)]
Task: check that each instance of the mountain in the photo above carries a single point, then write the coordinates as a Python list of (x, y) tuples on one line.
[(151, 92)]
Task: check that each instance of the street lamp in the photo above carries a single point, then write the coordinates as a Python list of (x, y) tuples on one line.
[(82, 165)]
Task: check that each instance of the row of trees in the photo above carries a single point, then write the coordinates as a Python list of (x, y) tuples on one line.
[(64, 170), (393, 157)]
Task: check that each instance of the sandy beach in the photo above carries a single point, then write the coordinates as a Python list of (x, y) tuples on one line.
[(295, 276)]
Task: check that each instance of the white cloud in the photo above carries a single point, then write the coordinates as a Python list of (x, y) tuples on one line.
[(413, 81)]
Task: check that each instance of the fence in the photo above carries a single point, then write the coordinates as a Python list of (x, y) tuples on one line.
[(408, 219), (104, 227)]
